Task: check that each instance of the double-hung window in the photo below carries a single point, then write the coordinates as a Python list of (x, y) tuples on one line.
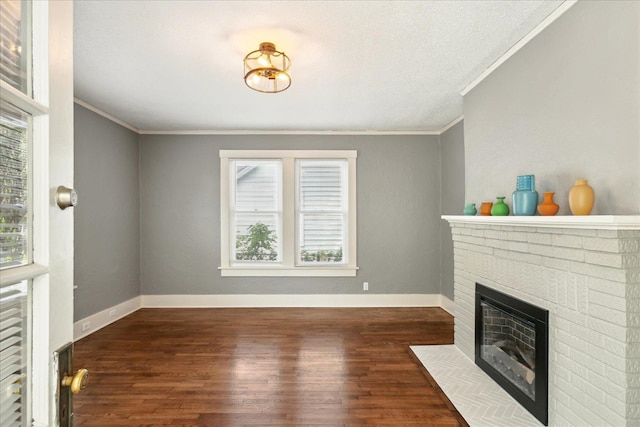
[(288, 213)]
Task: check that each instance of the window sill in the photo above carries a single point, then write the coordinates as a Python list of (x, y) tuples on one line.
[(288, 272)]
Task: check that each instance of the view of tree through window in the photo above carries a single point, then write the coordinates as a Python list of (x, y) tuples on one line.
[(258, 244)]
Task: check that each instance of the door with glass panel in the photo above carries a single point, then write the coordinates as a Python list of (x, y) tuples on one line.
[(28, 320)]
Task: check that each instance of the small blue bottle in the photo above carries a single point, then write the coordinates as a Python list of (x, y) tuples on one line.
[(525, 198)]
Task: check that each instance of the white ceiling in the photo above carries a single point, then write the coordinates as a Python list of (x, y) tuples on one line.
[(356, 65)]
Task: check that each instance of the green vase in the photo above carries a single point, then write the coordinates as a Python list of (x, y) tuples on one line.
[(500, 208)]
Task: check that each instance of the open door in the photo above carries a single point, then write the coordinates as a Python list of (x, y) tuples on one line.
[(36, 236)]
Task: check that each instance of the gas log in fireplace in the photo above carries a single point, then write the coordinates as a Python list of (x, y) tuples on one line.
[(511, 346)]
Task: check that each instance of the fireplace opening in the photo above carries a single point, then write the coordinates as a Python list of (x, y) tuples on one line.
[(511, 346)]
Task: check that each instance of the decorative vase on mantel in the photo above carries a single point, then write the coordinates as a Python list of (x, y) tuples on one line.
[(470, 209), (500, 208), (525, 198), (548, 207), (485, 208), (581, 198)]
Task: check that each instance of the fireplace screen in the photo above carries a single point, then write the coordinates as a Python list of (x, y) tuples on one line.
[(511, 346)]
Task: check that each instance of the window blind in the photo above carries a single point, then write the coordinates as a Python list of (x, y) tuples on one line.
[(14, 188), (322, 210), (14, 343), (13, 22)]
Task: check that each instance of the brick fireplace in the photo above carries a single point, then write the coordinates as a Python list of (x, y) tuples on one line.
[(586, 272)]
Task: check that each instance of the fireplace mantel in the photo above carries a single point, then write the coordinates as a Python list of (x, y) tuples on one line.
[(593, 222)]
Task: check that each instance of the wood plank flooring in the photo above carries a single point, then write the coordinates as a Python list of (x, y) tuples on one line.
[(264, 367)]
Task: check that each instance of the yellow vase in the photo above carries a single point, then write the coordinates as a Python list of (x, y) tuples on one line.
[(581, 198)]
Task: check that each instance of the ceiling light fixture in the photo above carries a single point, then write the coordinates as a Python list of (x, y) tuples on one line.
[(267, 70)]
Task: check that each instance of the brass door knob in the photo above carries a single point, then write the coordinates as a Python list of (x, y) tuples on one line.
[(77, 382)]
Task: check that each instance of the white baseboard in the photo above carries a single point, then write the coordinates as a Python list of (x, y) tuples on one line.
[(103, 318), (448, 305), (333, 300)]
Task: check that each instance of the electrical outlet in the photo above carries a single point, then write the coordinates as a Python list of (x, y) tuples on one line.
[(365, 286), (112, 313), (85, 326)]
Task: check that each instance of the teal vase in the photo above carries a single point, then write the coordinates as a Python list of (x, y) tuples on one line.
[(500, 208), (470, 209), (525, 198)]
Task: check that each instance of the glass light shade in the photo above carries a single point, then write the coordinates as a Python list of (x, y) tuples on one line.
[(267, 70)]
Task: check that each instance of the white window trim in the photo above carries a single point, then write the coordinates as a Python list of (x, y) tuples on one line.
[(288, 267)]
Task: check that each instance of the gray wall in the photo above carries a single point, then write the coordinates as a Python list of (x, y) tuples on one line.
[(452, 198), (398, 213), (106, 224), (564, 107)]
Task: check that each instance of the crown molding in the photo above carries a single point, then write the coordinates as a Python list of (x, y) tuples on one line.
[(264, 132), (520, 44), (106, 115)]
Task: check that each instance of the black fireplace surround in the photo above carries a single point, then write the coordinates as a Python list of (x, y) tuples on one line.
[(511, 346)]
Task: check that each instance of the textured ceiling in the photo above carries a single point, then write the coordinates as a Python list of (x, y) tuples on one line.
[(356, 65)]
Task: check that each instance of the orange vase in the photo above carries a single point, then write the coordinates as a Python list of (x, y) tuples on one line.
[(485, 208), (581, 198), (548, 207)]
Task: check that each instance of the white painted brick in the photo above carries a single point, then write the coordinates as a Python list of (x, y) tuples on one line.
[(589, 417), (567, 253), (517, 236), (587, 361), (567, 241), (606, 287), (633, 276), (591, 389), (628, 234), (592, 352), (633, 396), (633, 350), (600, 244), (611, 301), (617, 347), (496, 235), (560, 264), (629, 245), (633, 335), (519, 256), (633, 380), (616, 376), (459, 245), (616, 406), (471, 240), (603, 258), (607, 314), (574, 318), (582, 294), (607, 328), (477, 233), (518, 246), (609, 273), (608, 234), (539, 238), (538, 249)]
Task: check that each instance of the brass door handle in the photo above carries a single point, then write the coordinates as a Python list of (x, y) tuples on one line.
[(77, 382)]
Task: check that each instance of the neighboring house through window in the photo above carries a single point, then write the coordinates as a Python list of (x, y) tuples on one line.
[(288, 213)]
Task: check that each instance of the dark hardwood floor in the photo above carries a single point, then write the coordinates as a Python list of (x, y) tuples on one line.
[(265, 367)]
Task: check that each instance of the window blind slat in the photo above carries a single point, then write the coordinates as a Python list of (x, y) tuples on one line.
[(13, 357), (14, 197)]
